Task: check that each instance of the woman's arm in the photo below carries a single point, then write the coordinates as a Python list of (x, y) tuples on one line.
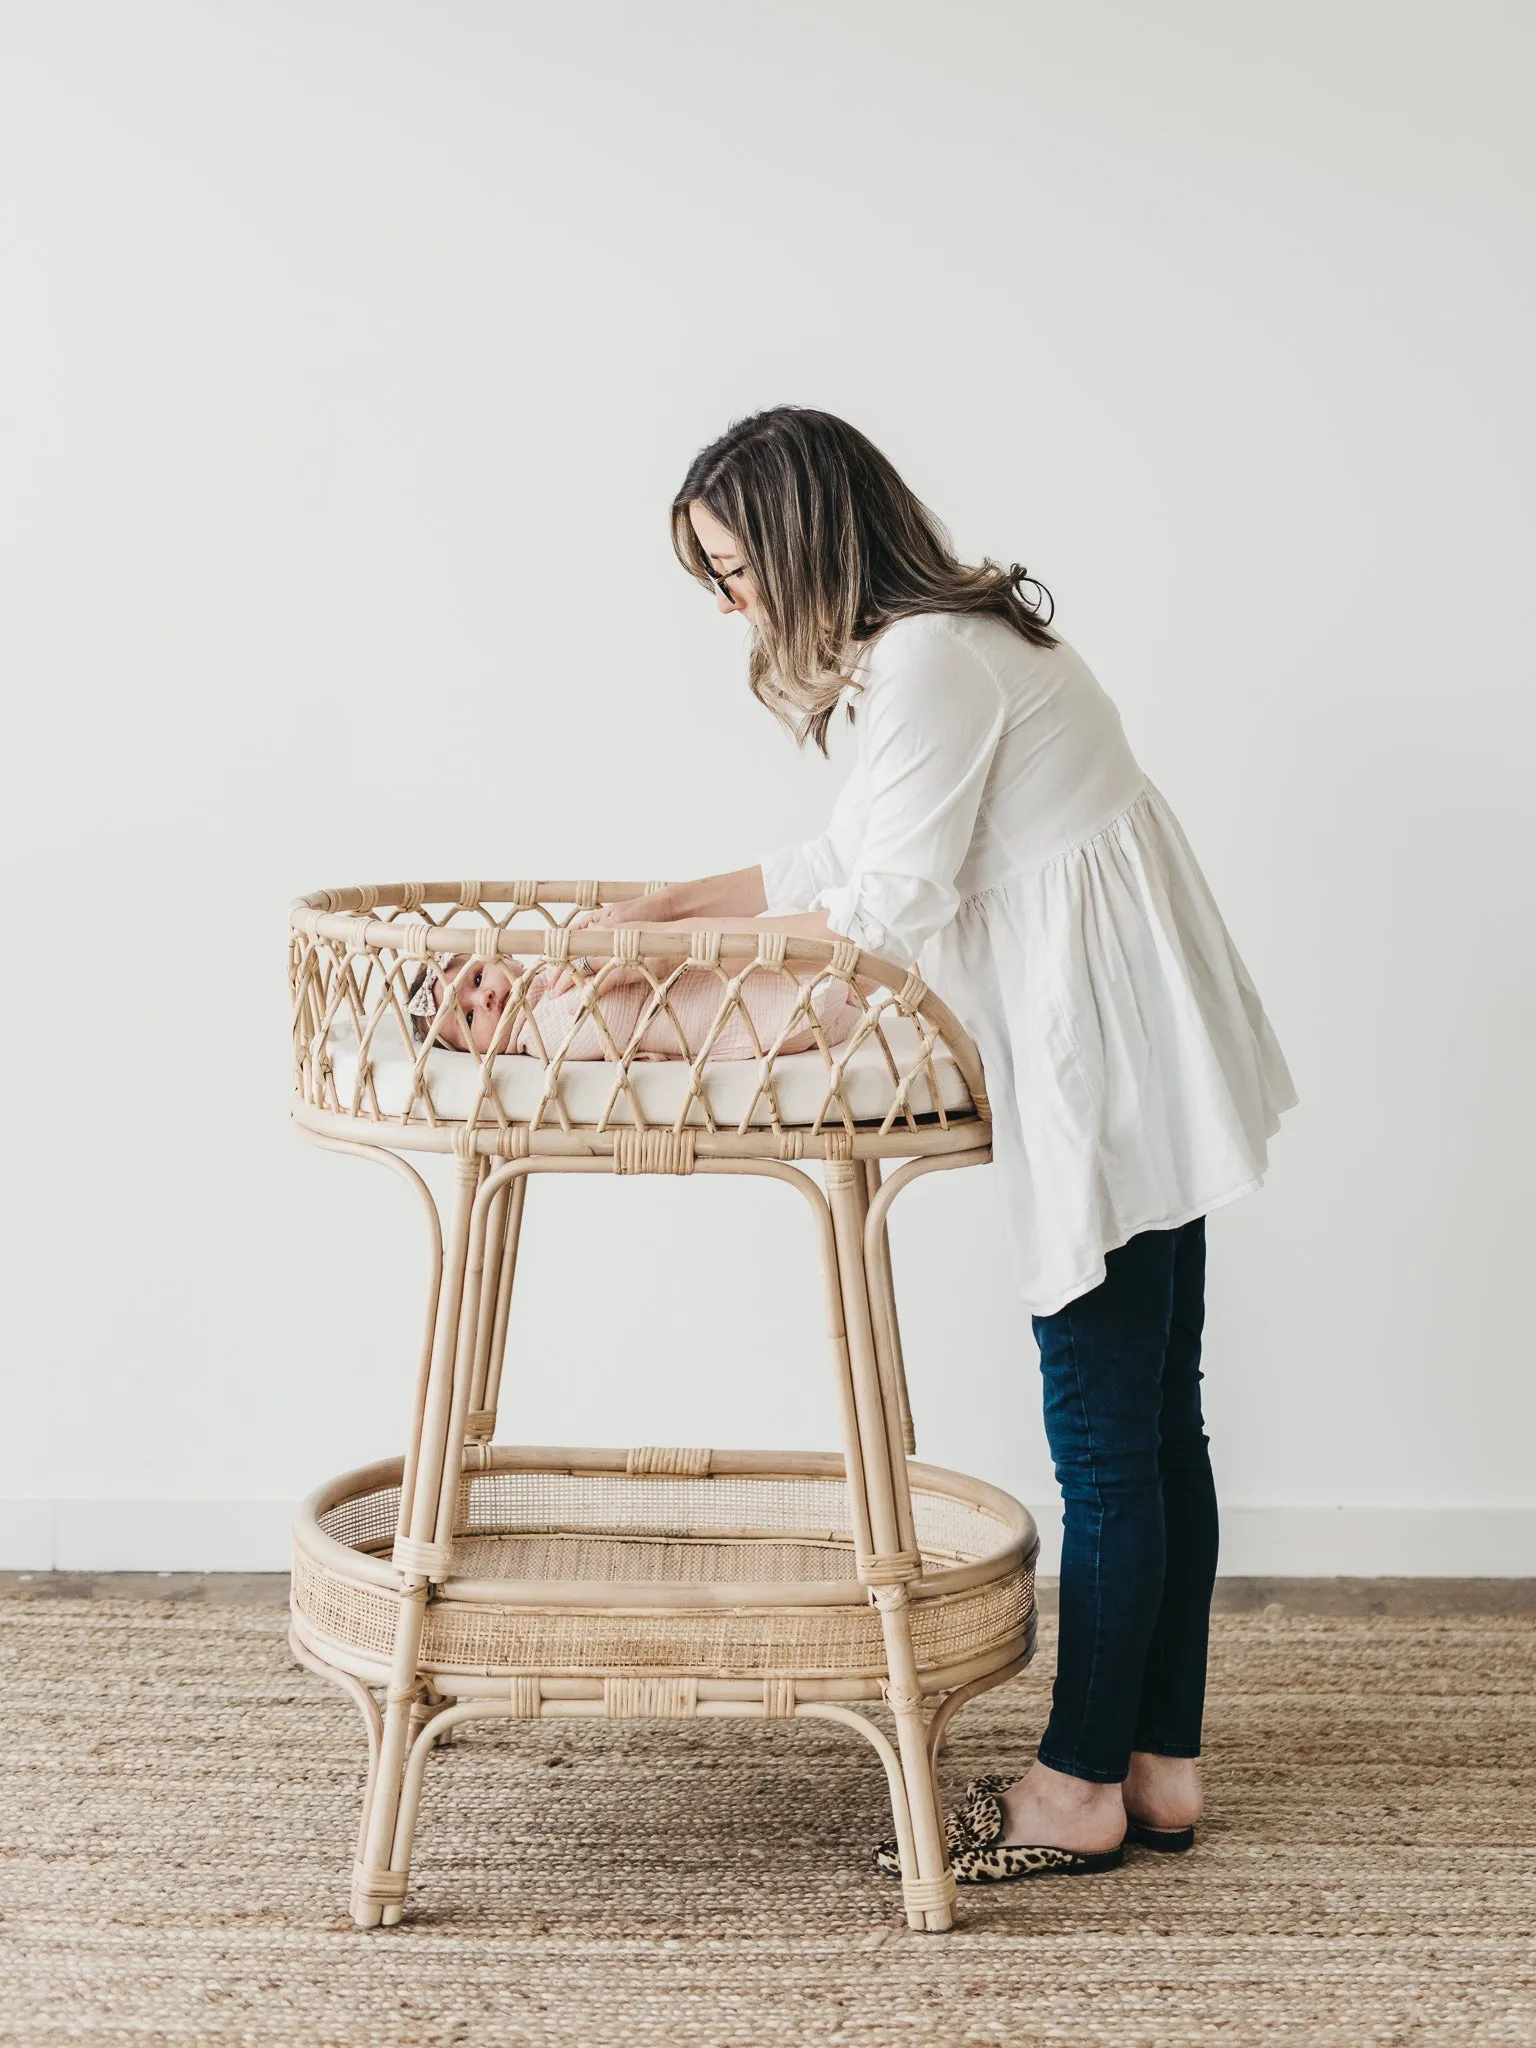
[(804, 924), (738, 894), (933, 716)]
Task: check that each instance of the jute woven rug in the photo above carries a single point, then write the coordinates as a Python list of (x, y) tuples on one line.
[(179, 1803)]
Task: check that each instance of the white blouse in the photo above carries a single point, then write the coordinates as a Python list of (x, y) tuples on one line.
[(996, 832)]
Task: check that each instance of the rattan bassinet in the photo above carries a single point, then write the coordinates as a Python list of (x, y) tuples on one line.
[(470, 1578)]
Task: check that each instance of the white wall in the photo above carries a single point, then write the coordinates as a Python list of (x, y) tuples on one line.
[(351, 354)]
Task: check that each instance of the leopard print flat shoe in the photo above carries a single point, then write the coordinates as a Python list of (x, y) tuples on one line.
[(1002, 1862), (979, 1810), (976, 1856)]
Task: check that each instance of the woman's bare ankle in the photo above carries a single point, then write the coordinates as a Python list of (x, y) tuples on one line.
[(1053, 1809), (1164, 1791)]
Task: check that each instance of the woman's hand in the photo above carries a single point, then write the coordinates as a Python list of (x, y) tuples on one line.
[(741, 891), (653, 909), (737, 894), (634, 910)]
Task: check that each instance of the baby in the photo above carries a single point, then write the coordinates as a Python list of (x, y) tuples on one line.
[(485, 995)]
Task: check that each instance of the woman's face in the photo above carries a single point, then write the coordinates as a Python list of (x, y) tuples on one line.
[(725, 558)]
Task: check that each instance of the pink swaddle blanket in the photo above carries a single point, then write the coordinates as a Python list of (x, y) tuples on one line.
[(694, 999)]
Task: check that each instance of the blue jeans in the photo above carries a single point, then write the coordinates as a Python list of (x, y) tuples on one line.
[(1121, 1366)]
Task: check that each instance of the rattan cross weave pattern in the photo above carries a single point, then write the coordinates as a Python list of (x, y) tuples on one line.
[(469, 1578)]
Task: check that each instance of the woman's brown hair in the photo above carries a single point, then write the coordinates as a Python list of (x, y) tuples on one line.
[(838, 547)]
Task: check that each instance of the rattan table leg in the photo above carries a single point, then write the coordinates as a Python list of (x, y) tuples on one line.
[(366, 1705), (962, 1695), (929, 1887), (489, 1393), (378, 1890), (929, 1890), (489, 1191), (408, 1173), (373, 1886), (426, 1452), (485, 1318), (880, 1455), (882, 1290)]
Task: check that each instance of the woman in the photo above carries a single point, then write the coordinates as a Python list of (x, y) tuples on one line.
[(997, 833)]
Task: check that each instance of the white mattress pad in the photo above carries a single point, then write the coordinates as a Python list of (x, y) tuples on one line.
[(803, 1084)]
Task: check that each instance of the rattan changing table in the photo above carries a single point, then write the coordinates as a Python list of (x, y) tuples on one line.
[(470, 1578)]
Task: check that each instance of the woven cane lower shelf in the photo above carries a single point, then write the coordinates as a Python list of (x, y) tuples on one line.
[(740, 1575)]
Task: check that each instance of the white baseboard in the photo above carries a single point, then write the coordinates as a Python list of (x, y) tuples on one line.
[(139, 1535)]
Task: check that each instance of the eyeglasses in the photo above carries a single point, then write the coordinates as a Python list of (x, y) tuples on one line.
[(721, 579)]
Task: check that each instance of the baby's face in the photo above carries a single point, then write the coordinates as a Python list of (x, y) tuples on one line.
[(484, 990)]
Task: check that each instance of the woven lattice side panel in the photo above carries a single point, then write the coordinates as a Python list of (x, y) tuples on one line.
[(706, 1642), (639, 1560), (365, 1522), (359, 1617), (812, 1642), (390, 1026), (961, 1625), (509, 1501)]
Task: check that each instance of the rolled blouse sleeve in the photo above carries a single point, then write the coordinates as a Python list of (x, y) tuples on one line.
[(931, 716)]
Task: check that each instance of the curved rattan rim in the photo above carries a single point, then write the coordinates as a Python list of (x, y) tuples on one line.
[(661, 1595)]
